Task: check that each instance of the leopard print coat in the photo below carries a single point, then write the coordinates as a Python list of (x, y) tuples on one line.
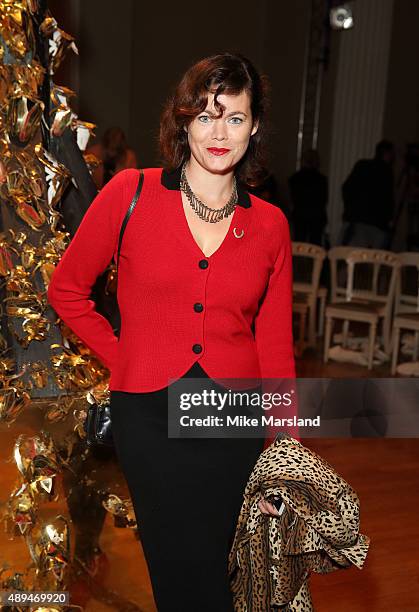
[(271, 558)]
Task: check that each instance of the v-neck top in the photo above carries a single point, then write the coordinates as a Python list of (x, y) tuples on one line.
[(231, 311)]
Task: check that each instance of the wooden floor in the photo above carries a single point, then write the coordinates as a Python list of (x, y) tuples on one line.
[(384, 472)]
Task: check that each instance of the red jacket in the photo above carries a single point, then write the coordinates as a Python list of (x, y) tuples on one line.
[(164, 278)]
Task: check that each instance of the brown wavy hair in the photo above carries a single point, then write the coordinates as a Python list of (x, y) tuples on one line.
[(224, 73)]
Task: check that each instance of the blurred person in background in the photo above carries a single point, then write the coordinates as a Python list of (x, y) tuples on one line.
[(114, 155), (368, 196), (309, 194), (406, 224)]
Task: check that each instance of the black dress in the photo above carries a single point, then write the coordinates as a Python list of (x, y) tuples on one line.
[(187, 494)]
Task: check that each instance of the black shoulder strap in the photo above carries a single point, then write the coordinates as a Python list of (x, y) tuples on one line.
[(129, 212)]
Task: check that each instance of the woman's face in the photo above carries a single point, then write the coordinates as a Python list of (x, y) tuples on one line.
[(219, 144)]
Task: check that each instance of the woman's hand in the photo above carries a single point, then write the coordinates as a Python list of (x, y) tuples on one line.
[(267, 508)]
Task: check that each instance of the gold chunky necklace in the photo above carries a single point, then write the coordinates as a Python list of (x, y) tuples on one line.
[(204, 212)]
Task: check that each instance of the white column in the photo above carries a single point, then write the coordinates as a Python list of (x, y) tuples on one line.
[(359, 97)]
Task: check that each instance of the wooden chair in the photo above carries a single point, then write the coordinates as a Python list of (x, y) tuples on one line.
[(406, 307), (300, 308), (307, 263), (322, 297), (339, 272), (369, 296)]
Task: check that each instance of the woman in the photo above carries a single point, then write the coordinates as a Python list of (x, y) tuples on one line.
[(203, 295), (114, 155)]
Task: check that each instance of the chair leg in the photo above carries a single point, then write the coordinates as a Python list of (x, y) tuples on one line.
[(387, 335), (300, 343), (312, 325), (302, 331), (327, 338), (396, 340), (345, 333), (371, 344), (415, 347), (321, 315)]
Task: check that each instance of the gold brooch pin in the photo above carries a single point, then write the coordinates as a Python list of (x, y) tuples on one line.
[(239, 235)]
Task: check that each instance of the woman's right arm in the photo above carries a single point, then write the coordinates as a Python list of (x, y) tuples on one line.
[(87, 256)]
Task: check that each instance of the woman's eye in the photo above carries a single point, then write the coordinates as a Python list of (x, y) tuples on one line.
[(236, 120), (204, 119)]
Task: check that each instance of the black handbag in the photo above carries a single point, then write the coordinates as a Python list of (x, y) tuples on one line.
[(97, 424)]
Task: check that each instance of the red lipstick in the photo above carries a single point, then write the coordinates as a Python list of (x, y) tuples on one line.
[(217, 151)]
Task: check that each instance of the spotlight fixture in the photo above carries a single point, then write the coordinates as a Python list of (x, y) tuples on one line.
[(341, 17)]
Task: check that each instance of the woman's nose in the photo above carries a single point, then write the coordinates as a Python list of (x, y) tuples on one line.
[(219, 130)]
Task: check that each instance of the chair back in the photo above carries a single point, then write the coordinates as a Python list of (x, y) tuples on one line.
[(339, 272), (372, 275), (407, 283), (307, 265)]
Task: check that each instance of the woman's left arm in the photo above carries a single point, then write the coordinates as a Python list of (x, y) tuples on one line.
[(273, 330)]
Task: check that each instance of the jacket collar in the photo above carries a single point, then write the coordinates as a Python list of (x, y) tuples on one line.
[(171, 180)]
